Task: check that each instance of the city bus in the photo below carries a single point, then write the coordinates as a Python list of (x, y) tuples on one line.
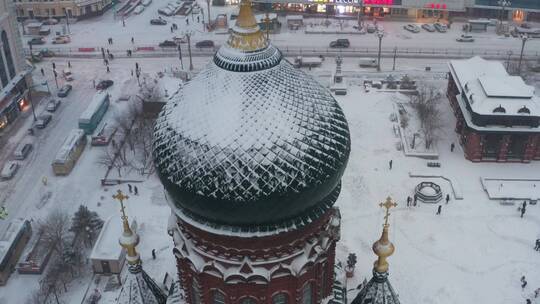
[(90, 118), (70, 152)]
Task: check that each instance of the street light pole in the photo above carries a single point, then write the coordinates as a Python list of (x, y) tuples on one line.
[(32, 103), (180, 56), (524, 39), (188, 35), (395, 55), (380, 35), (208, 2), (503, 4)]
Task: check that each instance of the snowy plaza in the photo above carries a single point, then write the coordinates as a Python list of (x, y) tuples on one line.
[(474, 251)]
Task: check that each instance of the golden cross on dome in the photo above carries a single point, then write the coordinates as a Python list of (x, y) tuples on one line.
[(388, 204), (119, 196)]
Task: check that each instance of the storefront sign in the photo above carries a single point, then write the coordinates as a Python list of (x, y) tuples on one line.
[(378, 2), (436, 5)]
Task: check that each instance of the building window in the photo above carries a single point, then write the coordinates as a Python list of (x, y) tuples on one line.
[(195, 292), (280, 298), (3, 74), (218, 297), (248, 301), (307, 294), (9, 58)]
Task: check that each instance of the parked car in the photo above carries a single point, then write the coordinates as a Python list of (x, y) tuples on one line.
[(22, 151), (441, 28), (62, 39), (167, 43), (413, 28), (525, 25), (158, 21), (428, 27), (205, 44), (367, 62), (64, 90), (465, 38), (36, 41), (44, 31), (9, 170), (371, 28), (146, 2), (68, 76), (165, 11), (139, 9), (50, 21), (104, 84), (340, 43), (43, 121), (179, 40), (46, 53), (53, 105)]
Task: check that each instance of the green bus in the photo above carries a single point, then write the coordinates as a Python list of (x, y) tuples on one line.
[(91, 117)]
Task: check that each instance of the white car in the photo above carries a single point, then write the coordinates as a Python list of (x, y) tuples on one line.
[(465, 38), (413, 28), (68, 76), (9, 170), (53, 105), (139, 9)]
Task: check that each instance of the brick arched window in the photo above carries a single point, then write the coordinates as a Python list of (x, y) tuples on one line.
[(307, 294), (218, 297), (248, 300), (280, 298), (9, 57)]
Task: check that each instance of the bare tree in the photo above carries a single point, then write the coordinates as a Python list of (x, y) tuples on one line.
[(53, 229), (109, 159), (427, 106)]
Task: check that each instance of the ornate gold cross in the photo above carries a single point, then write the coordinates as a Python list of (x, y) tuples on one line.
[(119, 196), (388, 204)]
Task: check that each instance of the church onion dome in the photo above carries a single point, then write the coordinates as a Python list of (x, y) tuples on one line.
[(251, 140)]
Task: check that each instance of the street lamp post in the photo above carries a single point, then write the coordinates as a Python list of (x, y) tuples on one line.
[(380, 35), (180, 56), (30, 96), (508, 59), (503, 4), (208, 2), (188, 35), (524, 39)]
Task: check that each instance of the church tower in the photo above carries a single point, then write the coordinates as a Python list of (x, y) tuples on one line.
[(378, 290), (251, 153)]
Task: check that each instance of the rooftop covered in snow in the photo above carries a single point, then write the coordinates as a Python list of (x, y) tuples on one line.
[(489, 90)]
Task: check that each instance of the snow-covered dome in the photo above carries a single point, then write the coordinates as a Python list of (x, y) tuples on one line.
[(251, 140)]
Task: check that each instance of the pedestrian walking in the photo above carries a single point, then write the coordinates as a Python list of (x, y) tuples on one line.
[(132, 40), (524, 205), (409, 200), (523, 284), (69, 64), (108, 69), (447, 198), (42, 72), (135, 190), (528, 301), (136, 66), (153, 254), (131, 72), (452, 146), (415, 199), (537, 246), (439, 210), (108, 53), (123, 22), (187, 21), (54, 66), (103, 53), (523, 209), (198, 20), (129, 188), (390, 164)]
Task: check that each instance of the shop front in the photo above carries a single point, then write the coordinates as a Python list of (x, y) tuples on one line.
[(13, 100), (316, 8)]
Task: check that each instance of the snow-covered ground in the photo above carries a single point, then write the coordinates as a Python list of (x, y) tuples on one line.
[(474, 252)]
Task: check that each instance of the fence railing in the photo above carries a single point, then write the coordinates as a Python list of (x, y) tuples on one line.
[(420, 52)]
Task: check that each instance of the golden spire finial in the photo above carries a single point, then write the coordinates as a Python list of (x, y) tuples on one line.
[(128, 240), (246, 34), (383, 248)]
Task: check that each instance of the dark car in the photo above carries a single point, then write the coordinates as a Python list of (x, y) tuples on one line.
[(158, 21), (205, 44), (64, 91), (36, 40), (340, 43), (104, 84), (43, 121), (167, 43)]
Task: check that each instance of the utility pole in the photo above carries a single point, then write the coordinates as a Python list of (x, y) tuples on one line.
[(508, 59), (524, 39), (180, 56), (208, 2), (188, 35), (32, 103), (395, 55), (380, 35)]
